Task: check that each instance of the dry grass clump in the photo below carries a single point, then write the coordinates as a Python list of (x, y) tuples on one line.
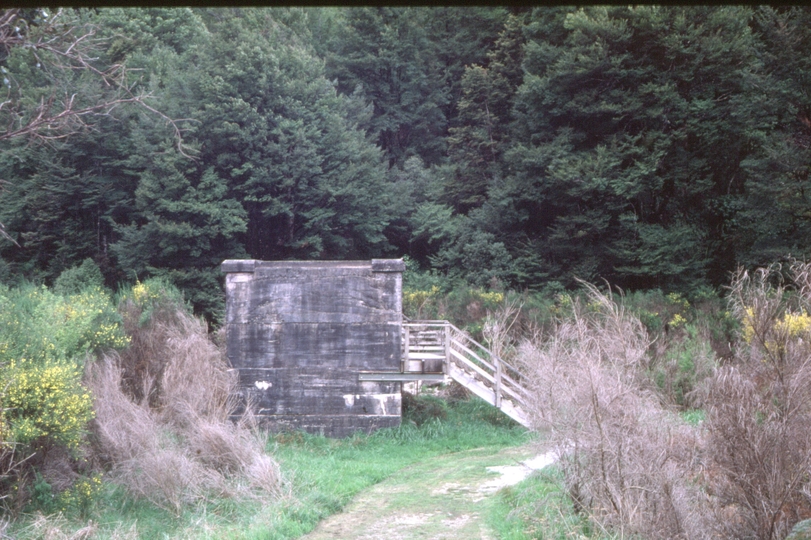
[(162, 416), (627, 460), (55, 527)]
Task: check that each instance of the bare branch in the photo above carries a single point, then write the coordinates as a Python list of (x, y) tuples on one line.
[(61, 47)]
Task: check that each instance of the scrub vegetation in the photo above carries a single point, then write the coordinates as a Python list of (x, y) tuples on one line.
[(611, 197), (658, 436)]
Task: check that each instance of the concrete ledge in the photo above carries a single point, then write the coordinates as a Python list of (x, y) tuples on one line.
[(229, 266), (388, 265), (400, 377), (250, 265)]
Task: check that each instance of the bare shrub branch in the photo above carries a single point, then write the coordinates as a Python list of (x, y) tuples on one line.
[(61, 46), (759, 408), (497, 328), (627, 461)]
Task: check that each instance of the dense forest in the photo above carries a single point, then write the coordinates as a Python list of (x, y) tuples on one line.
[(653, 147)]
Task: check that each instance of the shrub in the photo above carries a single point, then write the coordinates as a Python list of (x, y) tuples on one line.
[(79, 497), (75, 280), (744, 471), (45, 339), (416, 300), (162, 410), (759, 407), (681, 364), (422, 408), (37, 324), (626, 459), (45, 401)]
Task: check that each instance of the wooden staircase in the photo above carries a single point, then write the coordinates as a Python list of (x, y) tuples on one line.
[(438, 347)]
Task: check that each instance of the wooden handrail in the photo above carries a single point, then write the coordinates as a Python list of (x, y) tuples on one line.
[(465, 353), (482, 347)]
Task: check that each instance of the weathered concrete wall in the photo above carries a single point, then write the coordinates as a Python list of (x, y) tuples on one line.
[(300, 332)]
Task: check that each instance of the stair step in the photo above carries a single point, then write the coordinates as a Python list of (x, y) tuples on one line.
[(429, 343)]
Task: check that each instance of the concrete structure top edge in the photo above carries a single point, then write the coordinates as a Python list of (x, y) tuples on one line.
[(250, 265), (388, 265)]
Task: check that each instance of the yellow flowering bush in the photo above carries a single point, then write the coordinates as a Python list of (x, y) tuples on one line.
[(794, 325), (678, 300), (677, 321), (90, 322), (81, 496), (44, 340), (146, 293), (748, 330), (791, 325), (490, 298), (144, 298), (37, 324), (415, 300), (45, 399)]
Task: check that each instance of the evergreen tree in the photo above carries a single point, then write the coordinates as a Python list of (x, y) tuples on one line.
[(386, 54), (630, 124), (773, 218), (276, 129), (478, 142)]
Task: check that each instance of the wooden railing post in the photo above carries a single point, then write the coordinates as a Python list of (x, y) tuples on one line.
[(446, 364), (404, 359), (497, 389)]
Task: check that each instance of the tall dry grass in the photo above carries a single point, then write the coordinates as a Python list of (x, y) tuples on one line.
[(162, 416), (628, 461)]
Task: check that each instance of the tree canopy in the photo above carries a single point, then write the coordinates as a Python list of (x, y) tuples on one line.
[(651, 146)]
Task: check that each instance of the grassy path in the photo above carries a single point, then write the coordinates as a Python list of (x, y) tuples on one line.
[(444, 497)]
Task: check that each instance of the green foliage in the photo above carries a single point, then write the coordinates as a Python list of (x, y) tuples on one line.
[(45, 401), (387, 55), (694, 417), (475, 256), (609, 173), (659, 311), (42, 496), (78, 500), (272, 163), (82, 496), (771, 219), (422, 408), (634, 144), (415, 279), (688, 361), (155, 296), (686, 339), (460, 303), (37, 324), (478, 141), (44, 340), (75, 280)]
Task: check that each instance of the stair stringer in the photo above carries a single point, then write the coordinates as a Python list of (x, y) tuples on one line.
[(485, 393)]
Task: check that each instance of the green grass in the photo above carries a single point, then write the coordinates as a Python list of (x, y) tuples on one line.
[(539, 508), (328, 473), (694, 417), (323, 475)]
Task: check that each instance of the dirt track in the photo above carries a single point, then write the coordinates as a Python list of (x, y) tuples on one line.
[(444, 498)]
